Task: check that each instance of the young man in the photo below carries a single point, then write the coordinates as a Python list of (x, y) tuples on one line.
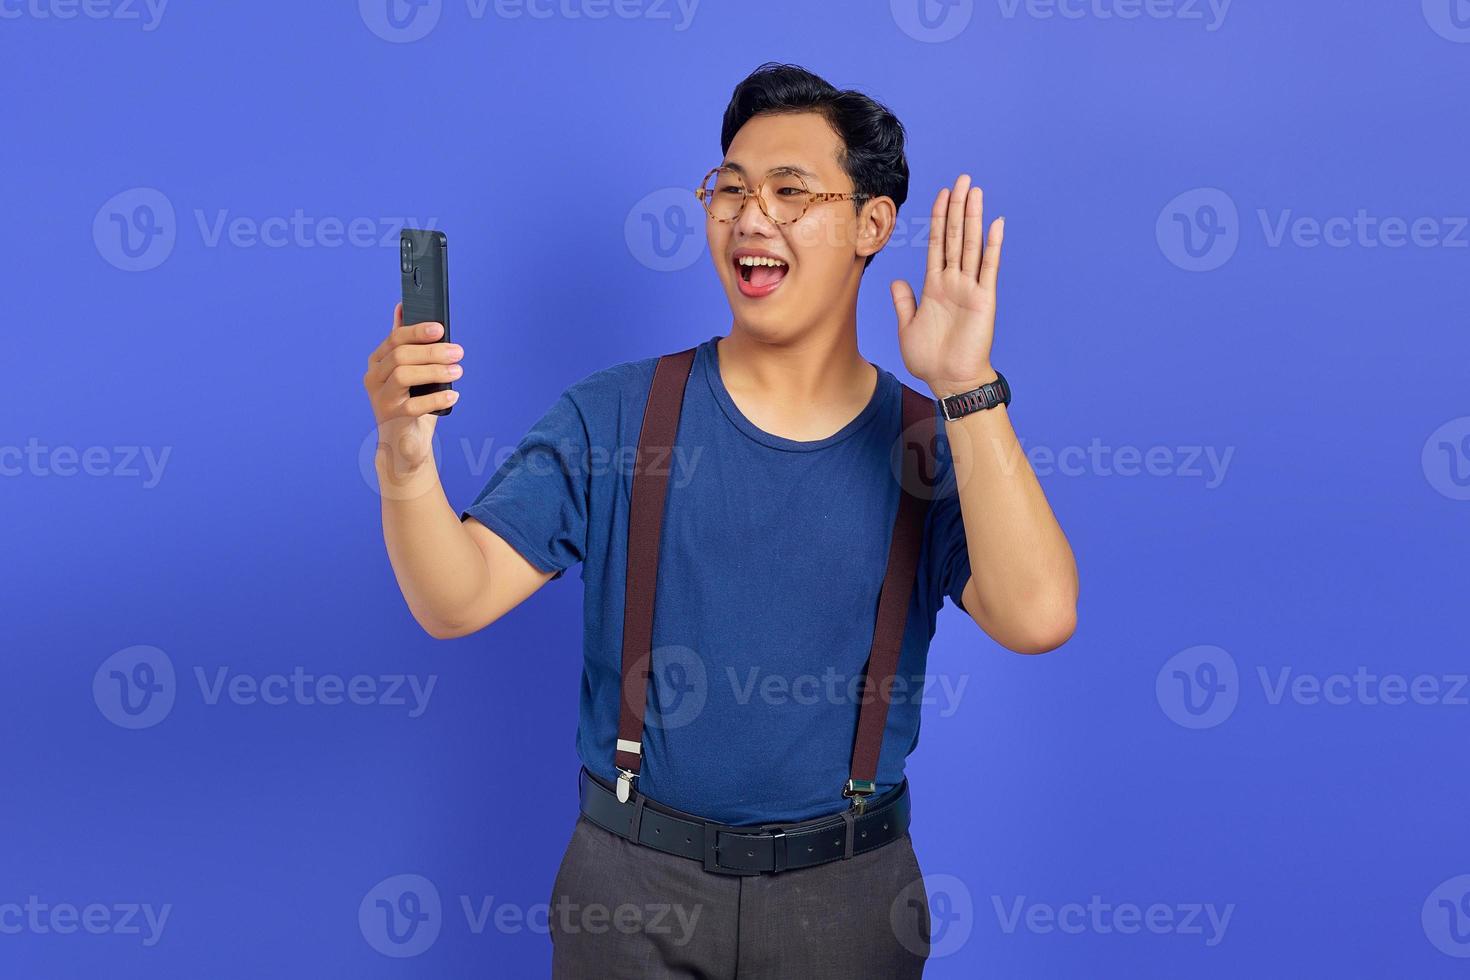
[(803, 518)]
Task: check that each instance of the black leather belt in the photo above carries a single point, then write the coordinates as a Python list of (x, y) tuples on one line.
[(750, 850)]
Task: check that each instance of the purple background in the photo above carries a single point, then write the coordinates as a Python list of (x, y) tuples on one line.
[(1332, 543)]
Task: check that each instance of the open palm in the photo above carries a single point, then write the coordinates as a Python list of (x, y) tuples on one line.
[(946, 340)]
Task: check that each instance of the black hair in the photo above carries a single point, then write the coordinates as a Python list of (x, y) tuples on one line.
[(872, 137)]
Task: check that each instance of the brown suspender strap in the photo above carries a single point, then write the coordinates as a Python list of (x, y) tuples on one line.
[(917, 451), (656, 438)]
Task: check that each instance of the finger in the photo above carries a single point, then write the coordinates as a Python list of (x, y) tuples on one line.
[(974, 230), (990, 264), (954, 223), (427, 332), (424, 404), (936, 231), (405, 376), (415, 354), (903, 301), (417, 333)]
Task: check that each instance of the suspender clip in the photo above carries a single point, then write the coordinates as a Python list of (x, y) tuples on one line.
[(625, 783), (859, 790)]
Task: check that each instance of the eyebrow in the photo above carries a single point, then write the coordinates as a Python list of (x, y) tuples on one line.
[(787, 166)]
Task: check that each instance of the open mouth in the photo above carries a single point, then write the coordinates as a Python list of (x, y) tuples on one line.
[(759, 275)]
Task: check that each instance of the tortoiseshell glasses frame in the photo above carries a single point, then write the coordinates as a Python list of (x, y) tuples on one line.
[(705, 193)]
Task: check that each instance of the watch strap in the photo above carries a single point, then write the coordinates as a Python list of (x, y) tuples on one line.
[(988, 395)]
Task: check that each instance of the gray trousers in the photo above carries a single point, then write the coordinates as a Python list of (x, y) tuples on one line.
[(622, 910)]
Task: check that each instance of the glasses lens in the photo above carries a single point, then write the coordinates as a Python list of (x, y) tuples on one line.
[(785, 194), (723, 192)]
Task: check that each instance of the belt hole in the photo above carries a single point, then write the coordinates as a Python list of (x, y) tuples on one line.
[(689, 840), (657, 830), (885, 826), (750, 854), (809, 849), (863, 834)]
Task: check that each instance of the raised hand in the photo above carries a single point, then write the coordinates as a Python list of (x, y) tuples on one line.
[(946, 341), (410, 355)]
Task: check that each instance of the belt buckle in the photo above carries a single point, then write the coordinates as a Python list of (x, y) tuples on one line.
[(712, 852), (778, 849), (712, 848)]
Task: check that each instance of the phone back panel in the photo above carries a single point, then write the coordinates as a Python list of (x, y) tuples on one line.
[(424, 266)]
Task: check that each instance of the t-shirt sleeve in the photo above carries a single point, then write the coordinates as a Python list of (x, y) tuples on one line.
[(948, 555), (536, 500)]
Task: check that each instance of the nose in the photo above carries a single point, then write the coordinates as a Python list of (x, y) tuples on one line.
[(753, 221)]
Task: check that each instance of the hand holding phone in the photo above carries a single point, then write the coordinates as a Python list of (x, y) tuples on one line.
[(409, 375)]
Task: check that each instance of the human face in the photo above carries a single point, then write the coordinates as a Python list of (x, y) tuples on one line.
[(820, 255)]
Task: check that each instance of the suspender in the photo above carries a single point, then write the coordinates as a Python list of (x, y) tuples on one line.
[(656, 440), (645, 524)]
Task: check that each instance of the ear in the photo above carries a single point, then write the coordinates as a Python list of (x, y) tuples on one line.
[(875, 225)]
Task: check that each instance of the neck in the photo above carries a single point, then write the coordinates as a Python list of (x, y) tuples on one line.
[(804, 386)]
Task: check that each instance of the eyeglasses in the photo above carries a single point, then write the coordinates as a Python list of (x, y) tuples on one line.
[(783, 196)]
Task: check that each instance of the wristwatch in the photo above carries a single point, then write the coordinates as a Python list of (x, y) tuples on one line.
[(988, 395)]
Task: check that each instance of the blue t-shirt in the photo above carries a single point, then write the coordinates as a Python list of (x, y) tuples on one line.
[(772, 556)]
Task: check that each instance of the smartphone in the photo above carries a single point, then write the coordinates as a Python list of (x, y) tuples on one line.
[(423, 261)]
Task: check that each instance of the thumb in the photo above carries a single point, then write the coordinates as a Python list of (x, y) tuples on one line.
[(903, 301)]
